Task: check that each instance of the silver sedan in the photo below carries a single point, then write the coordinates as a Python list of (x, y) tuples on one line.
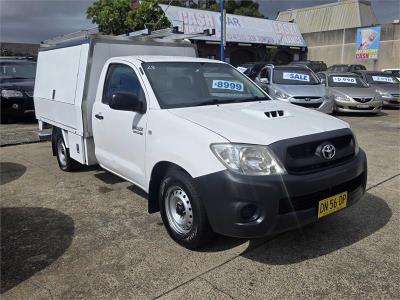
[(351, 93)]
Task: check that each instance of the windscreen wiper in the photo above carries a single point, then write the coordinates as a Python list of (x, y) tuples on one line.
[(214, 102), (255, 98)]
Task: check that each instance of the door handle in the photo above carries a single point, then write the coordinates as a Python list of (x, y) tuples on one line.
[(99, 116)]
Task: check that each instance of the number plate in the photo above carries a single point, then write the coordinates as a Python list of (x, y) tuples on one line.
[(362, 106), (332, 204)]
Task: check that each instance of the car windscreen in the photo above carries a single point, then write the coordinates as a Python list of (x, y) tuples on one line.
[(183, 84), (17, 70), (346, 81), (381, 78), (339, 68), (294, 76)]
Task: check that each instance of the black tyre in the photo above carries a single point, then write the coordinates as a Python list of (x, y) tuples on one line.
[(65, 162), (182, 211)]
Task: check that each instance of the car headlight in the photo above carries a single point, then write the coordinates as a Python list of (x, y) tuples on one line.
[(248, 159), (384, 94), (281, 95), (11, 94), (342, 98)]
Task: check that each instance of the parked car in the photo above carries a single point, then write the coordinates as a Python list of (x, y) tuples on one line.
[(17, 77), (386, 85), (314, 65), (351, 93), (343, 68), (297, 85), (394, 72), (213, 152), (251, 69)]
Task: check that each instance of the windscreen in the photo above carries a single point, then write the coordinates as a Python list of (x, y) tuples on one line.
[(346, 81), (183, 84), (17, 70), (294, 76), (381, 78)]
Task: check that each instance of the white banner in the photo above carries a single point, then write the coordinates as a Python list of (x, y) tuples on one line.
[(239, 29)]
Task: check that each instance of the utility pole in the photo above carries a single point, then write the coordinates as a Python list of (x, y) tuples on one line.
[(223, 30)]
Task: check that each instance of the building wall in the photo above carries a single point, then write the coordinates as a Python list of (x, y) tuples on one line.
[(339, 46)]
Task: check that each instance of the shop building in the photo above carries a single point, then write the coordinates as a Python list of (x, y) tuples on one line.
[(247, 39)]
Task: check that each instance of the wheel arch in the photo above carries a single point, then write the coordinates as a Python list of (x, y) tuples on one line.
[(157, 174)]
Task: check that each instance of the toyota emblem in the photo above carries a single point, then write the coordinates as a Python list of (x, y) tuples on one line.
[(326, 151)]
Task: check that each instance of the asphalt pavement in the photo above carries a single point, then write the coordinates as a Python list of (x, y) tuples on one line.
[(87, 235)]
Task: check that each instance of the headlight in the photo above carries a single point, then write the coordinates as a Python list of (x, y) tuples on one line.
[(281, 95), (342, 98), (11, 94), (248, 159), (384, 94)]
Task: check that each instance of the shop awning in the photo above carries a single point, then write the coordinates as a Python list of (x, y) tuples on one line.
[(239, 29)]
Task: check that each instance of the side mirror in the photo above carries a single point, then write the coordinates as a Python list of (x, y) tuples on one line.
[(127, 102), (323, 81), (264, 80)]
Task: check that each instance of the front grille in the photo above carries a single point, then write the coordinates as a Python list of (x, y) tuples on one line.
[(363, 100), (303, 158), (287, 205), (396, 95), (361, 108), (308, 104), (306, 98), (29, 93)]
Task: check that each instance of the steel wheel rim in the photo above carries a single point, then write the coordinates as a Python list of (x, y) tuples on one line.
[(62, 152), (178, 210)]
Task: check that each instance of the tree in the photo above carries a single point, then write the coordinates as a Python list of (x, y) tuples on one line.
[(118, 17), (240, 7), (110, 15), (148, 14)]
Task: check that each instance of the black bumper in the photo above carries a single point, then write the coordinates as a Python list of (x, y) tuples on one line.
[(17, 106), (283, 202)]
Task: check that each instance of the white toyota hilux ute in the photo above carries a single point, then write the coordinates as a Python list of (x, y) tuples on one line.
[(213, 152)]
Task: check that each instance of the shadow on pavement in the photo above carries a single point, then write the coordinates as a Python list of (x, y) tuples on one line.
[(10, 172), (31, 239), (108, 177), (328, 235)]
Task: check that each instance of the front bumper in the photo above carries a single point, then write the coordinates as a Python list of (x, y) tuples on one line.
[(391, 102), (17, 106), (326, 106), (374, 106), (283, 202)]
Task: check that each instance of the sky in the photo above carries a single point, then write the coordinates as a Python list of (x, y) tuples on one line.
[(32, 21)]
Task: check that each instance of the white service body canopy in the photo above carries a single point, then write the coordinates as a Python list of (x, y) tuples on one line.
[(239, 29)]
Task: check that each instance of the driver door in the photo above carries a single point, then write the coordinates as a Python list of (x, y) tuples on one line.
[(120, 136)]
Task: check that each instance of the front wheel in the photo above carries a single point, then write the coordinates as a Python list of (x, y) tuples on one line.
[(182, 212)]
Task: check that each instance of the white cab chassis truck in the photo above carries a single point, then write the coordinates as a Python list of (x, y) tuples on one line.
[(210, 148)]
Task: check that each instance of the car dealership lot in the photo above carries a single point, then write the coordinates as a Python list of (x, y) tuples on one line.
[(88, 235)]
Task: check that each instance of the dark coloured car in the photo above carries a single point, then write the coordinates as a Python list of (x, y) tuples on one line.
[(344, 68), (17, 78), (387, 85), (314, 65), (251, 69)]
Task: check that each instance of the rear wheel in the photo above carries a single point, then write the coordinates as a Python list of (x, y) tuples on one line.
[(182, 211), (65, 162)]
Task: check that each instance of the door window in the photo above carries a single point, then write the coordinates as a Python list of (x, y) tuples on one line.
[(121, 78)]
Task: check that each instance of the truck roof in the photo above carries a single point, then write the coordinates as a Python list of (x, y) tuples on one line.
[(160, 58)]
